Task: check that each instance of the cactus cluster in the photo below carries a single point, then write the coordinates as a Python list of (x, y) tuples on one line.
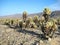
[(48, 25)]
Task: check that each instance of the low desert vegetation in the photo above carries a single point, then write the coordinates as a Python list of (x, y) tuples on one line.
[(45, 23)]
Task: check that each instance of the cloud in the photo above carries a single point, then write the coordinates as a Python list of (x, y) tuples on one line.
[(55, 6)]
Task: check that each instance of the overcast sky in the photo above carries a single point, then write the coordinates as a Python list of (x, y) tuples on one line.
[(8, 7)]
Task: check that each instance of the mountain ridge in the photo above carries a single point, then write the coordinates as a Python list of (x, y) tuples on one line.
[(53, 14)]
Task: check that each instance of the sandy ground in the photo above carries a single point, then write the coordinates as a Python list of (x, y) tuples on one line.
[(11, 36)]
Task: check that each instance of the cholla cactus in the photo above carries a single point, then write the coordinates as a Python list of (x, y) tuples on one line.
[(17, 22), (21, 23), (33, 25), (28, 21), (54, 27), (45, 28), (49, 28), (7, 22), (42, 19), (24, 25), (24, 15), (14, 22), (54, 23), (58, 21), (47, 11), (2, 21), (11, 22), (35, 19), (46, 14)]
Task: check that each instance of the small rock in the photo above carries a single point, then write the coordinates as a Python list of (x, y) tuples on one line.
[(41, 41), (49, 39), (8, 30)]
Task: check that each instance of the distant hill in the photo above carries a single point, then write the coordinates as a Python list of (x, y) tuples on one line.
[(53, 14), (12, 16)]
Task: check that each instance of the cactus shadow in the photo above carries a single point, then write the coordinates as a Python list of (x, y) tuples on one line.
[(58, 31), (13, 27), (27, 32), (41, 36)]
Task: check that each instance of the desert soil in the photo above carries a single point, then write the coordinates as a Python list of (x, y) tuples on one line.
[(11, 36)]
